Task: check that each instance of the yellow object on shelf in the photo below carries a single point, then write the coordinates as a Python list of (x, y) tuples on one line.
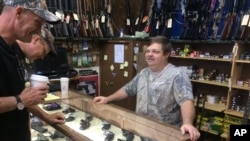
[(51, 97)]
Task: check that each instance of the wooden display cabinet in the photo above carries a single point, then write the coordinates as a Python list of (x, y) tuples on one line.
[(119, 118), (209, 65)]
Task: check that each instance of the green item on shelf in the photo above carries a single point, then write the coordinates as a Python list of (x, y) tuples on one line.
[(41, 137)]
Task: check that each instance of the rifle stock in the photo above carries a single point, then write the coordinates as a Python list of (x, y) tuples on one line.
[(245, 27), (139, 19), (129, 30), (110, 29), (84, 21), (147, 27), (231, 25)]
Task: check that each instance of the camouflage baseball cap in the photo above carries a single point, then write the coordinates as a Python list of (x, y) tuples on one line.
[(39, 7), (48, 38)]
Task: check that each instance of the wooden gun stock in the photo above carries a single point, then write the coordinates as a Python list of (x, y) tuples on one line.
[(109, 21), (83, 18), (225, 28), (230, 26), (244, 33), (147, 27)]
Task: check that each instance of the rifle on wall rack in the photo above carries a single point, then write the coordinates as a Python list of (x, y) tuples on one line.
[(150, 14), (245, 34), (217, 18), (64, 28), (232, 20), (51, 27), (227, 20), (169, 10), (84, 19), (97, 19), (129, 21), (109, 25), (209, 18), (103, 19), (240, 14), (75, 17), (141, 15), (156, 18), (92, 19)]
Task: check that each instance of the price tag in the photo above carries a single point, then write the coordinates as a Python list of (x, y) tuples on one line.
[(103, 19), (62, 17), (75, 17), (128, 21), (96, 23), (67, 19), (136, 21), (109, 9), (245, 20), (87, 24), (169, 23), (59, 15), (157, 25)]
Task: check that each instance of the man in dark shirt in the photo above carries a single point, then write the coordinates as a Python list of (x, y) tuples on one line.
[(20, 20)]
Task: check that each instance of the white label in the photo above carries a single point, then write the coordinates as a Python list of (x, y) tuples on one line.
[(67, 19), (96, 23), (62, 17), (245, 20), (103, 19), (169, 23), (157, 25), (109, 9), (128, 21), (136, 21), (75, 17), (87, 24)]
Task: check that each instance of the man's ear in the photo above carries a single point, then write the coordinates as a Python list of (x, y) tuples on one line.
[(35, 39), (19, 12)]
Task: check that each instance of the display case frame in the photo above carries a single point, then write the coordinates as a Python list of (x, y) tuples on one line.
[(117, 116)]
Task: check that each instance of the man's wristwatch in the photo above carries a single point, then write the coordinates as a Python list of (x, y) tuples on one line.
[(20, 105)]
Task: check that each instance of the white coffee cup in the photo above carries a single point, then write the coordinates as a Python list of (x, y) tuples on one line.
[(64, 82), (38, 80)]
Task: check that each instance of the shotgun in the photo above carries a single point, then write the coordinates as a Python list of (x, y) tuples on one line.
[(82, 17), (103, 18), (139, 18), (129, 29), (227, 21), (150, 14), (75, 17), (239, 19), (232, 20), (64, 29), (92, 18), (109, 25), (217, 18), (245, 23), (96, 20)]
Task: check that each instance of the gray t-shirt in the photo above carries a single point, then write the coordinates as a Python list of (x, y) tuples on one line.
[(159, 95)]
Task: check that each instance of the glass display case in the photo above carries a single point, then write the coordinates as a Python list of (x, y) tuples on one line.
[(96, 122)]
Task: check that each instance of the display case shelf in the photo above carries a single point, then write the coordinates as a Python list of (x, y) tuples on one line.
[(203, 58), (211, 82)]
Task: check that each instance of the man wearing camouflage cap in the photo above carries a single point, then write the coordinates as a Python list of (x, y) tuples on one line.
[(20, 20)]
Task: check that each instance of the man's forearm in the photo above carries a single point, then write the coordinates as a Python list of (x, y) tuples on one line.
[(118, 95), (7, 104), (37, 111), (188, 112)]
